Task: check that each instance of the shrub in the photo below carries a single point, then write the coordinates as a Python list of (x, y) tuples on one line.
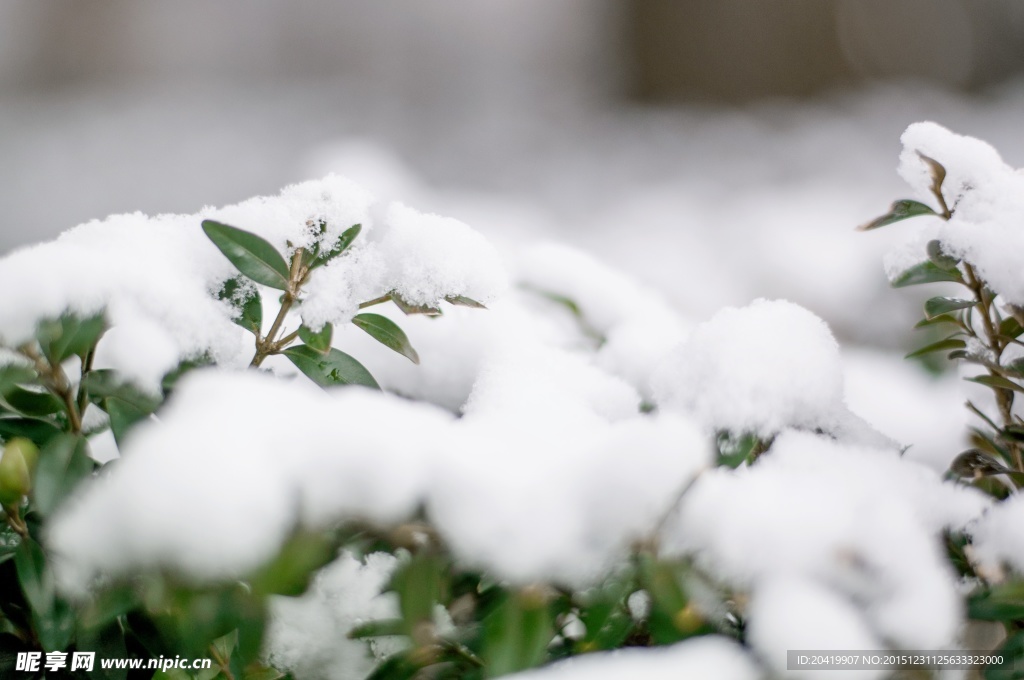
[(211, 450)]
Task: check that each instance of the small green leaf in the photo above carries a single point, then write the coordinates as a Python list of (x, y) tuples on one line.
[(36, 429), (334, 368), (247, 302), (996, 381), (898, 211), (1011, 657), (516, 635), (35, 580), (123, 402), (463, 301), (32, 403), (938, 306), (15, 374), (420, 584), (251, 254), (378, 628), (926, 272), (1010, 328), (1003, 602), (939, 257), (340, 246), (942, 318), (318, 340), (295, 565), (414, 309), (69, 335), (386, 332), (63, 463), (948, 343)]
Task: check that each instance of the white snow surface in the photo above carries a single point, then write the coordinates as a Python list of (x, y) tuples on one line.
[(787, 613), (987, 199), (702, 658), (756, 369), (248, 457), (997, 536), (861, 521), (307, 635)]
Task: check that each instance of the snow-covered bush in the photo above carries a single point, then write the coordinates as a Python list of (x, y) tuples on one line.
[(210, 449)]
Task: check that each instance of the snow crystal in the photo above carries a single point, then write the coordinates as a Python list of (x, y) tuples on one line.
[(709, 657), (862, 521), (308, 635), (757, 369)]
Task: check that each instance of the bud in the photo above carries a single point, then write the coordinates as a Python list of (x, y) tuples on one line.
[(14, 476), (28, 451)]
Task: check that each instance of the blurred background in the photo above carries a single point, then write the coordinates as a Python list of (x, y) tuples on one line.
[(717, 150)]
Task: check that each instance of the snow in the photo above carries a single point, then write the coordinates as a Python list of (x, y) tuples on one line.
[(756, 369), (788, 613), (702, 658), (997, 539), (430, 257), (987, 199), (861, 521), (545, 502), (156, 277), (249, 457), (308, 635)]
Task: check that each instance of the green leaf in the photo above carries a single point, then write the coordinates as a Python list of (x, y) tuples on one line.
[(948, 343), (35, 580), (31, 403), (420, 584), (463, 301), (1012, 657), (378, 628), (38, 430), (318, 340), (413, 309), (295, 565), (996, 381), (1003, 602), (63, 463), (333, 368), (898, 211), (942, 318), (15, 374), (938, 306), (1010, 328), (939, 257), (516, 635), (251, 254), (386, 332), (247, 303), (340, 246), (926, 272), (69, 335), (123, 402)]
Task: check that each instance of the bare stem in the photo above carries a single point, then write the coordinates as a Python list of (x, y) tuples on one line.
[(270, 344), (53, 378)]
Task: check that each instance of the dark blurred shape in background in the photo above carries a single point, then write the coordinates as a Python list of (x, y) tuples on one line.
[(731, 50), (738, 50)]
